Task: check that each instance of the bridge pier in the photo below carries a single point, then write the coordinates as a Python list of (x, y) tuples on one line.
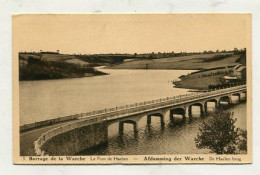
[(243, 96), (121, 125), (190, 110), (224, 101), (178, 115), (149, 118), (235, 95), (210, 101)]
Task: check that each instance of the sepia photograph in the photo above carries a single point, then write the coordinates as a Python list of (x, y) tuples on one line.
[(132, 88)]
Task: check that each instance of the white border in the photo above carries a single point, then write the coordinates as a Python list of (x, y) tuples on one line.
[(7, 8)]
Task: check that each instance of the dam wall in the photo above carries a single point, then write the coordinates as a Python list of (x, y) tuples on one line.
[(76, 140)]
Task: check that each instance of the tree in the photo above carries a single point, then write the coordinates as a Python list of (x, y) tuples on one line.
[(32, 60), (220, 135)]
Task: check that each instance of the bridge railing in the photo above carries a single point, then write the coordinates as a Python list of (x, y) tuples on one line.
[(180, 98), (108, 114)]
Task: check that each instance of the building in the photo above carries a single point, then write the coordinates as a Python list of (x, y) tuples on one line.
[(229, 79), (240, 72)]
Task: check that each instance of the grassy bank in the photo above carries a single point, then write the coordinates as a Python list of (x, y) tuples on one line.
[(36, 69), (202, 83), (207, 79)]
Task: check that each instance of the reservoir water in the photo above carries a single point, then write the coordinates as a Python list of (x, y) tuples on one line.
[(46, 99), (41, 100)]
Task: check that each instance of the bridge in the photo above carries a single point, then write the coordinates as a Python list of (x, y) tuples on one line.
[(90, 129)]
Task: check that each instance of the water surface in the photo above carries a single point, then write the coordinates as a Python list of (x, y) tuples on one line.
[(46, 99)]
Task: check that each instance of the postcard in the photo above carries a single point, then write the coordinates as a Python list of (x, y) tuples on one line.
[(132, 88)]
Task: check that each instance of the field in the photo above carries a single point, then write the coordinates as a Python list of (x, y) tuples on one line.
[(193, 62), (204, 79), (201, 83)]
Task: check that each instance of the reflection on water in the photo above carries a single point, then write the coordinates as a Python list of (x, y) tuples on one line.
[(155, 139)]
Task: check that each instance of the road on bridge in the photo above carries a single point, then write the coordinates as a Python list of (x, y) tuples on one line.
[(27, 138)]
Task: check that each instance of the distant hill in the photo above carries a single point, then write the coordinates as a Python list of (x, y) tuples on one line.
[(57, 57), (181, 61), (53, 57), (191, 62), (96, 60), (34, 67)]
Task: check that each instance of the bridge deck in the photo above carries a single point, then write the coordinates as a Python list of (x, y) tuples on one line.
[(27, 138)]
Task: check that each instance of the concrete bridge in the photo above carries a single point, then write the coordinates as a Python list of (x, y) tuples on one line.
[(91, 129)]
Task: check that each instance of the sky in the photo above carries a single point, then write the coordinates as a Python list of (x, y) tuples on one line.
[(92, 34)]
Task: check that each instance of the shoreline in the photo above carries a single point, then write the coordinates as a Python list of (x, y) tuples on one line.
[(64, 78), (151, 68)]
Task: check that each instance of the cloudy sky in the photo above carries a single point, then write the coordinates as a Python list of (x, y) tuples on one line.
[(129, 33)]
